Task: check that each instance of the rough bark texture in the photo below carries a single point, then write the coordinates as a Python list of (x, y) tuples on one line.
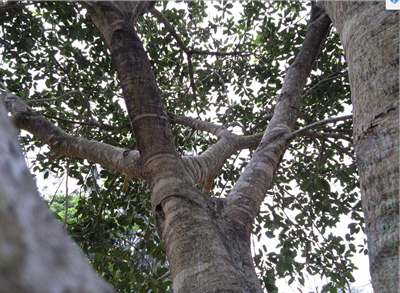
[(207, 240), (370, 36), (35, 254)]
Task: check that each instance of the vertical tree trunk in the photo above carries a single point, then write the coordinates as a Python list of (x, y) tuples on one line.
[(207, 240), (370, 36), (205, 254)]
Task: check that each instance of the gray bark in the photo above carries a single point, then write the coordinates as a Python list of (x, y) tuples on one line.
[(207, 240), (370, 36)]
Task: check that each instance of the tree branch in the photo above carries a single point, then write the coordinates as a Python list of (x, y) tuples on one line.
[(328, 135), (293, 135), (91, 122), (325, 80), (5, 8), (175, 35), (249, 191), (55, 99), (228, 111), (169, 27), (63, 144), (324, 137), (217, 130)]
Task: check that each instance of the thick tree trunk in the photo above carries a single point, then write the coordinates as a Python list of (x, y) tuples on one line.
[(207, 240), (370, 36), (204, 254)]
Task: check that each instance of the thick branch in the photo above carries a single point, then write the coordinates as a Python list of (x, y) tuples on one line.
[(148, 117), (202, 167), (249, 191), (63, 144), (217, 130)]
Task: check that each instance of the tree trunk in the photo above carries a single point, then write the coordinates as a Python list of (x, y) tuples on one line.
[(207, 240), (204, 254), (370, 36)]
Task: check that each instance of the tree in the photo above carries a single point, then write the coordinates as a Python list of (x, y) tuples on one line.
[(376, 129), (170, 77)]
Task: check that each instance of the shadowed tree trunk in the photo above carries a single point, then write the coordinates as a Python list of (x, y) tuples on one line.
[(370, 37), (207, 240)]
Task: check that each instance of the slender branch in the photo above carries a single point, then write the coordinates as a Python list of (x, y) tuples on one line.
[(66, 194), (63, 70), (250, 189), (294, 134), (217, 130), (228, 111), (169, 27), (267, 117), (173, 32), (5, 8), (55, 99), (321, 136), (92, 123), (325, 80), (328, 135), (191, 75), (163, 277), (333, 173), (220, 54)]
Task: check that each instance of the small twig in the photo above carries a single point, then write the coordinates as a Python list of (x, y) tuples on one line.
[(66, 194), (228, 111), (220, 54), (5, 8), (91, 123), (169, 27), (330, 174), (321, 136), (64, 70), (173, 32), (326, 79), (268, 117), (192, 83), (165, 276), (330, 135), (55, 99)]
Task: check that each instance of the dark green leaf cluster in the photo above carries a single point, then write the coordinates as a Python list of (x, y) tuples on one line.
[(117, 235)]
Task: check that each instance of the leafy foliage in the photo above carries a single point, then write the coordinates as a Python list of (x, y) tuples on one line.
[(55, 59)]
